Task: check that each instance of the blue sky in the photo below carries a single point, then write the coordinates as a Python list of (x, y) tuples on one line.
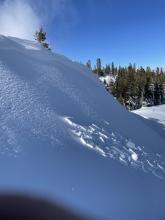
[(122, 31)]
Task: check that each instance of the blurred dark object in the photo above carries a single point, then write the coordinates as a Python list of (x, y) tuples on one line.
[(27, 208)]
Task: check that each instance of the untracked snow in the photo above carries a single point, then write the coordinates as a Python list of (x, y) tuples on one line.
[(154, 113), (60, 130)]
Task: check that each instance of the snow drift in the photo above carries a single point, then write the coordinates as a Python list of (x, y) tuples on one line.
[(62, 136), (154, 113)]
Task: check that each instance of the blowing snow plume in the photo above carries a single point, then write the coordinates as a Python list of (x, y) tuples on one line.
[(21, 18), (18, 19)]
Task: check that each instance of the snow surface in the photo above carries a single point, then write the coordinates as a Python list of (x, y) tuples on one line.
[(155, 116), (108, 79), (60, 130), (155, 113)]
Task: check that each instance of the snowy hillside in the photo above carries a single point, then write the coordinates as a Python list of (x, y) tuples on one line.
[(64, 137), (155, 118), (154, 113)]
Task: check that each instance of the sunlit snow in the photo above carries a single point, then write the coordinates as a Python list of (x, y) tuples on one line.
[(64, 137)]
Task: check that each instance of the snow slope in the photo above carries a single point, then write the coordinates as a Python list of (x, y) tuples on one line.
[(62, 136), (155, 113), (155, 117)]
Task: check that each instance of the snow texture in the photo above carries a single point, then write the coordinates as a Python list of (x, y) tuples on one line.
[(154, 113), (60, 130)]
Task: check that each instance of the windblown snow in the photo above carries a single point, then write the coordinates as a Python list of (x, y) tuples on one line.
[(60, 130)]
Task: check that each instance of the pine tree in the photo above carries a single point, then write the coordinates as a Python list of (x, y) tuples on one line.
[(157, 94), (113, 68), (98, 64), (41, 37), (107, 70), (134, 87), (99, 67), (89, 64)]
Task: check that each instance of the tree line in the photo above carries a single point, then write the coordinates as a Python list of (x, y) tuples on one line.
[(133, 87)]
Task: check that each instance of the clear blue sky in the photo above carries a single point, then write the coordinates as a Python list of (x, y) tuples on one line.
[(122, 31)]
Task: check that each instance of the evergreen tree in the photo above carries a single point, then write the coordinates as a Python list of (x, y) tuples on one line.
[(41, 37), (113, 68), (89, 64), (134, 87), (99, 67), (108, 70)]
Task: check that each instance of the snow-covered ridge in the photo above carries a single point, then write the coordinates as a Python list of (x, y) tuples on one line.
[(60, 130)]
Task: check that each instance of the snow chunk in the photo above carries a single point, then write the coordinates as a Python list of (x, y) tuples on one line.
[(134, 157)]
